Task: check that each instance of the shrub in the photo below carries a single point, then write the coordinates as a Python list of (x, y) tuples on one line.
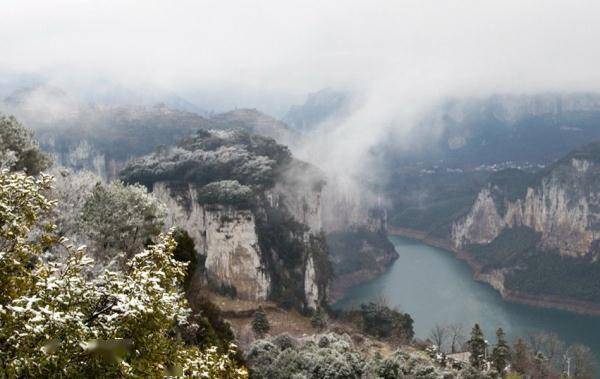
[(54, 322)]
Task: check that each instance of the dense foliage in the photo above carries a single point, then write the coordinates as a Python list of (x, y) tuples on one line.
[(477, 347), (211, 157), (287, 245), (335, 356), (382, 321), (226, 192), (120, 218), (18, 150), (379, 320), (260, 323), (548, 273), (501, 353), (510, 248), (54, 321), (185, 251)]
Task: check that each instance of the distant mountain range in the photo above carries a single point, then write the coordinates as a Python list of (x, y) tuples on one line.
[(102, 138), (519, 128)]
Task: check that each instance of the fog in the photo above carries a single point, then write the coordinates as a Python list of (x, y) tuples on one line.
[(399, 56)]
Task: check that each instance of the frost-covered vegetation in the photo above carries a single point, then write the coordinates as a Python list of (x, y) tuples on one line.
[(55, 321), (211, 157), (18, 150), (120, 218), (114, 220), (379, 320), (331, 356), (226, 192)]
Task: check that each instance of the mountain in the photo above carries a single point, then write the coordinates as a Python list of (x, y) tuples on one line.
[(320, 106), (253, 210), (103, 138), (468, 132), (539, 233)]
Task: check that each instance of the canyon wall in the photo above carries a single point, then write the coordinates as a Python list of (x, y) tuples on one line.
[(563, 206)]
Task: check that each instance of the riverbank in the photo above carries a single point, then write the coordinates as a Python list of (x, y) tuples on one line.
[(552, 302)]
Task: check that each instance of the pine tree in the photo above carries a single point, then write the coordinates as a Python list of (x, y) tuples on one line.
[(501, 352), (260, 324), (318, 319), (477, 347)]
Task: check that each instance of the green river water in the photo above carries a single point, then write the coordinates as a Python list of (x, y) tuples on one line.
[(434, 287)]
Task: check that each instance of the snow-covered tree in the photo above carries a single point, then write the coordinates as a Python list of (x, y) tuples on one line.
[(18, 149), (71, 191), (56, 323), (119, 218)]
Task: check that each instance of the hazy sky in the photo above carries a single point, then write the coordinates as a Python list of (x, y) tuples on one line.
[(399, 54), (293, 47)]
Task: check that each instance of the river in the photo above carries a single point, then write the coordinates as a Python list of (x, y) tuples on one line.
[(434, 287)]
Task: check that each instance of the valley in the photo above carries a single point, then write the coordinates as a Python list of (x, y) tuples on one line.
[(431, 285), (265, 231)]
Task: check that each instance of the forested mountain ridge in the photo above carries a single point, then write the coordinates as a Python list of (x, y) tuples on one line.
[(102, 138)]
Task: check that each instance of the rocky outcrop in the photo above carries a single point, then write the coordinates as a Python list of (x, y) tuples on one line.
[(481, 225), (253, 211), (227, 238), (311, 289), (563, 205), (536, 237)]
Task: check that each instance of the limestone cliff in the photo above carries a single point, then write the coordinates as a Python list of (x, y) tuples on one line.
[(252, 209), (562, 205), (539, 234)]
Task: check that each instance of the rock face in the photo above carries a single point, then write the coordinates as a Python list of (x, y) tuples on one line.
[(563, 206), (226, 236), (481, 225), (537, 236), (253, 211)]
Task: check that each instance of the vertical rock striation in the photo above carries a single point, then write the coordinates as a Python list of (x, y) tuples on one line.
[(253, 211)]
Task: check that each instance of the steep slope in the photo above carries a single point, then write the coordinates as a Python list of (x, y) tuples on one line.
[(253, 210), (539, 233)]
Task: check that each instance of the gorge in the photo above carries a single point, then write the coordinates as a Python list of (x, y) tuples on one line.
[(432, 285)]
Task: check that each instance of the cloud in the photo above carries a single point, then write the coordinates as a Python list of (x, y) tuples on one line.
[(400, 55)]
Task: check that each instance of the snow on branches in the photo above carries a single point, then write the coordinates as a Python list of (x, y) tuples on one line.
[(56, 321)]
